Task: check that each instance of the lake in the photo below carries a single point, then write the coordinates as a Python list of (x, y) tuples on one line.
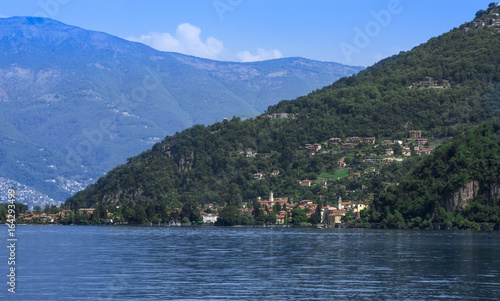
[(214, 263)]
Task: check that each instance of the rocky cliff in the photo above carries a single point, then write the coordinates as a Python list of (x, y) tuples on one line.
[(461, 197)]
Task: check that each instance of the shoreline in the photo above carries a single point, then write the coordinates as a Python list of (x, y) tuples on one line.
[(436, 227)]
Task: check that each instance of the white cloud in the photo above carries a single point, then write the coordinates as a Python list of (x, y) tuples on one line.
[(186, 40), (262, 55)]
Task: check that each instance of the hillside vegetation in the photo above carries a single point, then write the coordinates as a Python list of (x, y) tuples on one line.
[(457, 186)]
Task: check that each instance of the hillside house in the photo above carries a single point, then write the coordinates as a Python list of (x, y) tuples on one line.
[(209, 218), (334, 218), (250, 154), (88, 211), (325, 211), (280, 218), (421, 141), (313, 147), (406, 152), (347, 145), (269, 204), (334, 141), (354, 140), (386, 142), (305, 183), (346, 205), (258, 176), (358, 206), (479, 24), (306, 203), (354, 175), (279, 115), (389, 152), (274, 173), (323, 183), (341, 163), (369, 140), (415, 134), (425, 151)]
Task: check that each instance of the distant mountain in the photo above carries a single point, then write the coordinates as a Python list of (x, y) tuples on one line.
[(442, 88), (74, 103)]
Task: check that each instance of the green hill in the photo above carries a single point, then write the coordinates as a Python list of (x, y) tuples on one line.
[(457, 186), (441, 87)]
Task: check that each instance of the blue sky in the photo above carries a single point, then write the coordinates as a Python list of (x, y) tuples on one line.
[(355, 32)]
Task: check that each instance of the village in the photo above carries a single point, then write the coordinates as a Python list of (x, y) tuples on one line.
[(355, 160)]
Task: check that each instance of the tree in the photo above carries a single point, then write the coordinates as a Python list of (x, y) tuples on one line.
[(186, 211), (174, 216), (3, 213), (247, 218), (480, 13), (308, 195), (37, 209), (298, 215), (140, 215), (271, 218), (228, 216), (315, 218), (46, 209)]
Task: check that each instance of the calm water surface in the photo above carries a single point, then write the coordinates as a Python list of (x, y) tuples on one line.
[(163, 263)]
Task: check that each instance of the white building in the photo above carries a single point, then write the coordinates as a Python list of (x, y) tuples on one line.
[(209, 218)]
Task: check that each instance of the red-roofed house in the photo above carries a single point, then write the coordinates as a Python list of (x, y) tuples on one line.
[(305, 183)]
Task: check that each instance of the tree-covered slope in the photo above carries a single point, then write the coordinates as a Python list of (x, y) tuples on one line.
[(452, 79), (440, 87), (456, 186)]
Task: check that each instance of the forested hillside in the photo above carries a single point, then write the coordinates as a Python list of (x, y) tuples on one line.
[(456, 186), (441, 87)]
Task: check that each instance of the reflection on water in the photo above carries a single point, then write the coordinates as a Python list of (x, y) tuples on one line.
[(119, 263)]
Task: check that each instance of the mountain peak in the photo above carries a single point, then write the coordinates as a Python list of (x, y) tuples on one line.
[(28, 21)]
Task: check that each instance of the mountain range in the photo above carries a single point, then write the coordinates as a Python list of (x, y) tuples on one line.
[(74, 103)]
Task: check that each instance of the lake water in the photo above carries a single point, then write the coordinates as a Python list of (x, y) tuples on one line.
[(211, 263)]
